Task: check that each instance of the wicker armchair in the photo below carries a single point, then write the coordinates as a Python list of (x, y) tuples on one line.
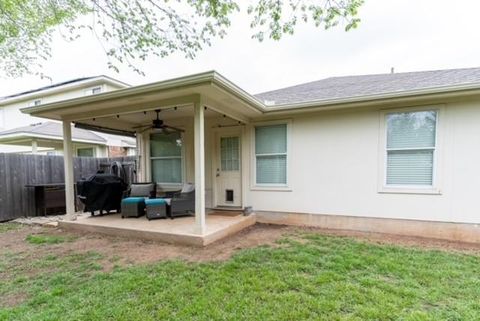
[(182, 203)]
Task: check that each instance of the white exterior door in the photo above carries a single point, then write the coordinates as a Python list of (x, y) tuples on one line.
[(228, 184)]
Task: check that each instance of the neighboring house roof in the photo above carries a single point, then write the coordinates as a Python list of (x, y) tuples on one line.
[(116, 140), (128, 142), (48, 87), (52, 130), (58, 87), (364, 85)]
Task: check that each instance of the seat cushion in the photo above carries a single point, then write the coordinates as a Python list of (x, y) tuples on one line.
[(145, 190), (133, 200), (187, 188), (155, 201)]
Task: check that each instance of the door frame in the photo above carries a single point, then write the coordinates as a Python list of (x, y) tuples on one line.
[(227, 131)]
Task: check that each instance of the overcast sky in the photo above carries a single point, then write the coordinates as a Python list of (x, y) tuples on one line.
[(409, 35)]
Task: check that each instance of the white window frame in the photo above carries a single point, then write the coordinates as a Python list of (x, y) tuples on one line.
[(99, 88), (86, 147), (253, 179), (89, 91), (34, 103), (182, 156), (435, 188)]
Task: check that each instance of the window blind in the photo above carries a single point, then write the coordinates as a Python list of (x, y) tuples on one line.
[(163, 145), (271, 154), (271, 139), (410, 167), (167, 170), (411, 140), (166, 157)]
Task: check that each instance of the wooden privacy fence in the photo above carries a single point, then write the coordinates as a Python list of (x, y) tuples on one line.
[(18, 170)]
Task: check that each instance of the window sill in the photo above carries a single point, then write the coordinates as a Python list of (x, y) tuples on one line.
[(271, 188), (410, 190)]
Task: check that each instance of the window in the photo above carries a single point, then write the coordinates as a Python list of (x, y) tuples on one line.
[(36, 102), (229, 153), (93, 91), (271, 155), (85, 152), (96, 90), (410, 148), (166, 158)]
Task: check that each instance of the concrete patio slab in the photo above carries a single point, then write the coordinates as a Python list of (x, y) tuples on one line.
[(180, 230)]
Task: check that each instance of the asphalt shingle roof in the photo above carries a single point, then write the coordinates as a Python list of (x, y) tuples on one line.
[(356, 86), (54, 129), (48, 87)]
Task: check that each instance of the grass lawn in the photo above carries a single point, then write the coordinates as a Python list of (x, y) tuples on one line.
[(308, 276), (5, 227), (47, 239)]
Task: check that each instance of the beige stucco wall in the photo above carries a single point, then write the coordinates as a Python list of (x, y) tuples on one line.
[(335, 164)]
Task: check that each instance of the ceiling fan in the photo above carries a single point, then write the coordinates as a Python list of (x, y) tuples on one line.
[(158, 125)]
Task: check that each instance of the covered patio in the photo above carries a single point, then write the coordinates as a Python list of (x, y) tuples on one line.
[(210, 118), (179, 231)]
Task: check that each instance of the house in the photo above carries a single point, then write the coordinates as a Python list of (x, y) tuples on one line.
[(390, 153), (22, 133)]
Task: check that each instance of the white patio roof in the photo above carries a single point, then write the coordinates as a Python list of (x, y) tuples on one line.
[(216, 92)]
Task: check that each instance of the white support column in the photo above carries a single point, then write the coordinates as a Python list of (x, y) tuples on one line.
[(140, 156), (199, 138), (34, 146), (68, 164)]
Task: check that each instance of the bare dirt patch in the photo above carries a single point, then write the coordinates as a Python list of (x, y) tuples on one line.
[(117, 251), (11, 300), (400, 240), (122, 251)]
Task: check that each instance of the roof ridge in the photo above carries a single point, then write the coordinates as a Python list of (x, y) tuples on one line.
[(403, 73)]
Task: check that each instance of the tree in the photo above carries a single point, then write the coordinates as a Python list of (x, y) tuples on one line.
[(135, 29)]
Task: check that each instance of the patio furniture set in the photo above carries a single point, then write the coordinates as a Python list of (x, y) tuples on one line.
[(106, 192), (142, 200)]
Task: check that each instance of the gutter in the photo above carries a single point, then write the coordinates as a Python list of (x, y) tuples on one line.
[(355, 100), (229, 86)]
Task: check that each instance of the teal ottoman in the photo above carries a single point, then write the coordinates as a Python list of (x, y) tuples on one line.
[(156, 208), (133, 207)]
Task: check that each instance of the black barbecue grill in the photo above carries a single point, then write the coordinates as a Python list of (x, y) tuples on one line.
[(101, 192)]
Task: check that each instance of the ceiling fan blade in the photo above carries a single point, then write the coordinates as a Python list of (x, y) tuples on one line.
[(174, 128), (145, 129), (141, 126)]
